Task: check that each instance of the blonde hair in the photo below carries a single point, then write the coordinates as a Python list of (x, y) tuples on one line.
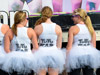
[(85, 18), (18, 18), (45, 14)]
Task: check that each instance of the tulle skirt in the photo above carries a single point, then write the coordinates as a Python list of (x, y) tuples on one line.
[(2, 50), (49, 57), (64, 52), (21, 62), (80, 56), (2, 56)]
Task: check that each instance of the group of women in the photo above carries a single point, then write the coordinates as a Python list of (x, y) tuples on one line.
[(17, 57)]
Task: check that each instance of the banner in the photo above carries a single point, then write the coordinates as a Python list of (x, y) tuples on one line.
[(35, 6)]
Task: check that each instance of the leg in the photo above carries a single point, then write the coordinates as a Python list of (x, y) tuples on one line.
[(88, 71), (75, 72), (52, 71), (42, 72), (64, 72), (98, 71)]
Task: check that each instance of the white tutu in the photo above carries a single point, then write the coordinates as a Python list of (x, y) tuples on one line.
[(80, 56), (64, 52), (2, 56), (2, 50), (21, 62), (51, 57)]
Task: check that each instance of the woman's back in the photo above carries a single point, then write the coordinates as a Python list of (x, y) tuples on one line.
[(83, 37), (21, 42), (48, 37)]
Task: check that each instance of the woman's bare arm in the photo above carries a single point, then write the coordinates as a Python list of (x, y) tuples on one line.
[(93, 40), (33, 37), (7, 38), (59, 37), (4, 28), (70, 38)]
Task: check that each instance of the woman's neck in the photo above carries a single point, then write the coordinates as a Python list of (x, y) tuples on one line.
[(49, 21), (20, 25), (80, 22)]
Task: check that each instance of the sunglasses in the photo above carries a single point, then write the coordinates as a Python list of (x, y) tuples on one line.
[(27, 18), (75, 16)]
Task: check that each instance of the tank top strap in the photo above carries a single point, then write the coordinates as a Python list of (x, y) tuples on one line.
[(79, 27), (54, 27), (44, 27), (83, 28)]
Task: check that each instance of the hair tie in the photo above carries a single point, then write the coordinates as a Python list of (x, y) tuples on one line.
[(86, 16)]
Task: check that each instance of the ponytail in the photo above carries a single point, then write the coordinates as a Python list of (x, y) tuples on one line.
[(41, 20), (19, 17), (89, 25), (45, 14), (14, 29), (86, 19)]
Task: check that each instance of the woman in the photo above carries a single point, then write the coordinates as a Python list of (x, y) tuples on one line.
[(49, 56), (3, 29), (82, 52), (17, 46)]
